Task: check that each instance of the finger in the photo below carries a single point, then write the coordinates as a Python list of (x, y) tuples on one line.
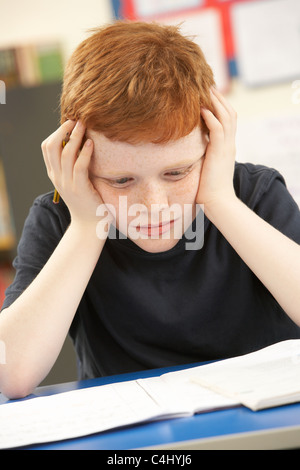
[(46, 160), (222, 100), (71, 150), (222, 138), (52, 147), (219, 109), (80, 169), (75, 138), (216, 131), (54, 141), (223, 110)]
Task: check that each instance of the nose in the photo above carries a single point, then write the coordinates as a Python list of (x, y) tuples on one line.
[(154, 197)]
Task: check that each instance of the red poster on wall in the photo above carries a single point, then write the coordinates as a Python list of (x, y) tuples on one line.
[(159, 9)]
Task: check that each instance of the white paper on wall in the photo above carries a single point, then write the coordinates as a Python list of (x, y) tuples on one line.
[(273, 141), (267, 40), (158, 7), (205, 28)]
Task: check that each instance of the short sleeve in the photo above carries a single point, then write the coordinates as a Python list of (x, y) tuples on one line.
[(42, 231), (264, 190), (277, 206)]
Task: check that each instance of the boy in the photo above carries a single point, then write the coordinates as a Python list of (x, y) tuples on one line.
[(148, 128)]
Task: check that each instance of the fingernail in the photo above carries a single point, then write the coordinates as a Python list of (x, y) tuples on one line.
[(79, 125)]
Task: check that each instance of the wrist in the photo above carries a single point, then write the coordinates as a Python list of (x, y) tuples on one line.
[(219, 206), (92, 232)]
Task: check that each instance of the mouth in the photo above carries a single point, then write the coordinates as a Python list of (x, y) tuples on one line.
[(156, 229), (150, 227)]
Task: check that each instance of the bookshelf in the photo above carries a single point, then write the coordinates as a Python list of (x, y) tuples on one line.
[(31, 64)]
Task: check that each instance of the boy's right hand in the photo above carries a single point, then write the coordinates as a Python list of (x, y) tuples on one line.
[(67, 168)]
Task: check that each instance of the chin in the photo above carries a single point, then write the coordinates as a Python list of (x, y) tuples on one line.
[(156, 246)]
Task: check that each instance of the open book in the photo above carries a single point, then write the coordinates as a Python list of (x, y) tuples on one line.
[(271, 374), (262, 379)]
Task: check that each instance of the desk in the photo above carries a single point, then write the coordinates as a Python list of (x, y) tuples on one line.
[(235, 428)]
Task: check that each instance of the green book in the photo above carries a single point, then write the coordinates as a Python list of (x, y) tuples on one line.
[(50, 62)]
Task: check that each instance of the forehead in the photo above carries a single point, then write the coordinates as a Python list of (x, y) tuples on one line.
[(122, 155)]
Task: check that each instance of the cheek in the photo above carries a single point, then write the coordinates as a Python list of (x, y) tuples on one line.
[(105, 192), (186, 190), (108, 195), (119, 200)]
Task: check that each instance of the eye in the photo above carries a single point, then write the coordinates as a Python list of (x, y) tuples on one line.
[(178, 174), (121, 182)]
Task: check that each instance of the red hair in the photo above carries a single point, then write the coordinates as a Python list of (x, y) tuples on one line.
[(137, 82)]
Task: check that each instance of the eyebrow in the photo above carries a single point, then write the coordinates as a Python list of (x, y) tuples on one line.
[(180, 165), (183, 164)]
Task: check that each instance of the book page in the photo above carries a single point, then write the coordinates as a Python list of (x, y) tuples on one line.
[(178, 394), (83, 412), (73, 414), (263, 378), (269, 377)]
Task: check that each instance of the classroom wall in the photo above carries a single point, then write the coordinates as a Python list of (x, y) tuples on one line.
[(24, 21)]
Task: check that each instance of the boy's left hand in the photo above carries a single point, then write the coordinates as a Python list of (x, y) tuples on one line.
[(216, 179)]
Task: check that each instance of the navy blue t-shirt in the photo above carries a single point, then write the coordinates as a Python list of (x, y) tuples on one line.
[(145, 310)]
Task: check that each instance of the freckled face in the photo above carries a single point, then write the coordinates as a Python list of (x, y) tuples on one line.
[(156, 181)]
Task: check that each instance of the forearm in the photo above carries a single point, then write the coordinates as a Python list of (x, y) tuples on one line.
[(273, 257), (35, 326)]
